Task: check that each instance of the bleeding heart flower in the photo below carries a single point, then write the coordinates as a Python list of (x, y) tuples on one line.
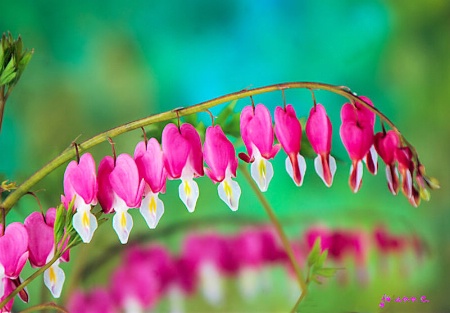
[(257, 134), (183, 158), (357, 136), (13, 253), (386, 143), (318, 130), (41, 246), (120, 188), (221, 158), (80, 181), (150, 162), (368, 117), (289, 134)]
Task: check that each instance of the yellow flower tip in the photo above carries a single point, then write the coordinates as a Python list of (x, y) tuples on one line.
[(432, 182)]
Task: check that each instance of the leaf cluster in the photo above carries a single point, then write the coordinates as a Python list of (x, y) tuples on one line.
[(316, 261)]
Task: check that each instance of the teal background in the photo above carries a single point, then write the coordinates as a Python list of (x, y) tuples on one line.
[(100, 64)]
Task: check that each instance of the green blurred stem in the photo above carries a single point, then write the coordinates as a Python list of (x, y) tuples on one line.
[(2, 105), (279, 229), (45, 306), (70, 153), (29, 279)]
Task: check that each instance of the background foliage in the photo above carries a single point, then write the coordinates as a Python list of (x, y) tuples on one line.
[(97, 65)]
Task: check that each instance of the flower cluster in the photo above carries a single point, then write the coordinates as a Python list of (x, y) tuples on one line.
[(136, 181), (146, 275), (32, 241)]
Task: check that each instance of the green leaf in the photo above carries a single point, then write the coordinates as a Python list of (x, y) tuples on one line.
[(60, 222), (226, 113), (315, 279), (7, 78), (326, 272), (314, 254), (321, 259), (232, 126)]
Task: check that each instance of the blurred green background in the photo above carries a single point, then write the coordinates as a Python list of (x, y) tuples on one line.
[(100, 64)]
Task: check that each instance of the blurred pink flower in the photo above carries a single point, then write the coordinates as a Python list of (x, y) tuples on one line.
[(97, 300)]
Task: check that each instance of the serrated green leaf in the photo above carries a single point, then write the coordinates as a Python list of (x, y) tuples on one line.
[(314, 254), (25, 59), (74, 240), (326, 272)]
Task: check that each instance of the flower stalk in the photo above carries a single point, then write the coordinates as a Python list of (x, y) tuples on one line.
[(69, 153), (279, 229)]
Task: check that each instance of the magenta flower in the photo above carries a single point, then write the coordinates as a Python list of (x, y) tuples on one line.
[(221, 158), (289, 134), (368, 117), (406, 168), (6, 287), (80, 182), (150, 162), (95, 301), (357, 136), (183, 159), (120, 188), (13, 253), (41, 246), (386, 143), (257, 134), (318, 130)]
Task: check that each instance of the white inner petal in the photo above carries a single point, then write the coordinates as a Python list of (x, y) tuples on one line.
[(261, 171), (230, 192), (54, 279), (122, 221), (189, 192), (152, 208)]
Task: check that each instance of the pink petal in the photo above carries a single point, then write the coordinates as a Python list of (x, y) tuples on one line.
[(125, 181), (105, 193), (150, 163), (195, 158), (245, 118), (318, 130), (392, 178), (355, 178), (288, 129), (260, 131), (357, 139), (219, 154), (14, 249), (386, 144), (365, 115), (83, 179), (176, 150), (40, 238)]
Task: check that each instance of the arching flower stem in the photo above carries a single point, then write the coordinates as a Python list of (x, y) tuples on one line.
[(69, 152), (279, 229)]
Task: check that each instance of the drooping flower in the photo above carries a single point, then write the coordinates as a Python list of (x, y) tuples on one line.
[(386, 143), (183, 159), (289, 134), (406, 168), (150, 163), (41, 245), (221, 158), (257, 134), (80, 182), (357, 136), (6, 287), (318, 130), (368, 117), (13, 254), (120, 188)]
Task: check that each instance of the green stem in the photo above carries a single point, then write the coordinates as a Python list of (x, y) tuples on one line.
[(2, 104), (279, 229), (69, 153), (29, 279), (45, 306)]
